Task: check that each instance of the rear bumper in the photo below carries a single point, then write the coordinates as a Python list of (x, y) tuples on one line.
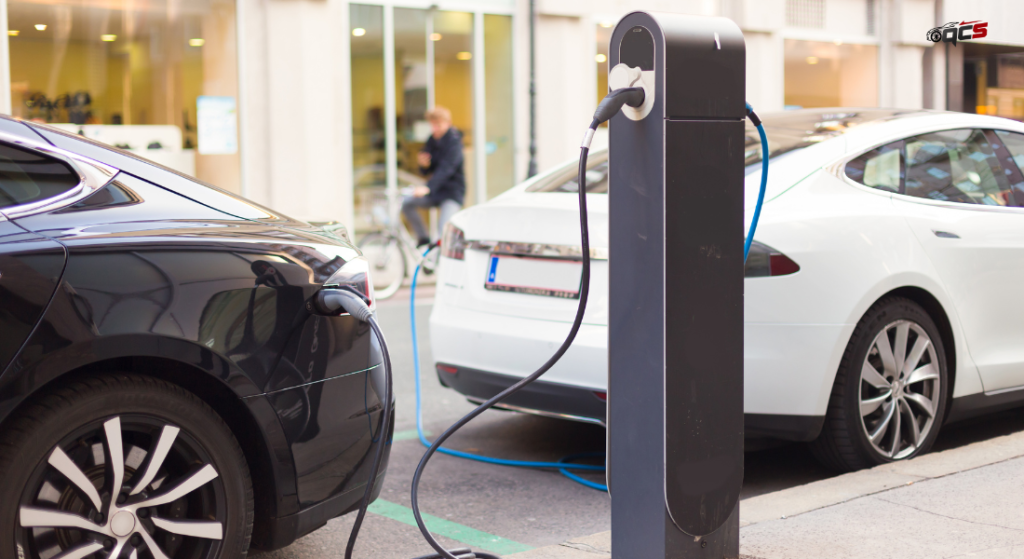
[(580, 404), (541, 397), (788, 368)]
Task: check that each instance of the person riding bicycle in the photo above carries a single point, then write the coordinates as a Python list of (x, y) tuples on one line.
[(442, 159)]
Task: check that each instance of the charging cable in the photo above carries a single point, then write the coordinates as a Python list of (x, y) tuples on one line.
[(563, 465), (764, 180), (330, 301)]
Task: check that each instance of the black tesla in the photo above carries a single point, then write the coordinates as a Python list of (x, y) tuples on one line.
[(165, 388)]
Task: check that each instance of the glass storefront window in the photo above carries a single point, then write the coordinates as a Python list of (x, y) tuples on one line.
[(604, 36), (159, 78), (819, 74), (498, 85), (368, 166), (994, 80), (453, 81), (412, 82)]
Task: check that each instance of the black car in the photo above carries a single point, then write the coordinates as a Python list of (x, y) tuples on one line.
[(166, 389)]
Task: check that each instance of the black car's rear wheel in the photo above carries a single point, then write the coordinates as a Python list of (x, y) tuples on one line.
[(122, 466)]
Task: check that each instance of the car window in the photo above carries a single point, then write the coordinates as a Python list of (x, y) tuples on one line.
[(597, 178), (879, 168), (1009, 148), (27, 176), (956, 166)]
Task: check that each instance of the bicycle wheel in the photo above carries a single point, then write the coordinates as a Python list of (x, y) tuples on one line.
[(387, 263)]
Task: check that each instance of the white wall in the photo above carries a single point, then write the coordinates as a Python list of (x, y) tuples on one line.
[(566, 86), (297, 122)]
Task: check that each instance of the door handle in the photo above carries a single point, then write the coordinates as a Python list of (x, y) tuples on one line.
[(945, 234)]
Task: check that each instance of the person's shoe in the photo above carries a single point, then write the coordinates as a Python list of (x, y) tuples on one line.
[(423, 243)]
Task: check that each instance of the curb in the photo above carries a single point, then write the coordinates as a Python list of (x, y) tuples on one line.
[(801, 499)]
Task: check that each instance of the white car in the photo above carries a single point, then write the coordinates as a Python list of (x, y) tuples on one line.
[(884, 295)]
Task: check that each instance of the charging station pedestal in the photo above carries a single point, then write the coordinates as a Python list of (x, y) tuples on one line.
[(675, 398)]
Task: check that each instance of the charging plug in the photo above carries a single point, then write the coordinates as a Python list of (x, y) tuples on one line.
[(331, 301), (612, 104)]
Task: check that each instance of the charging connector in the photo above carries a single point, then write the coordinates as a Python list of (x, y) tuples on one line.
[(609, 107)]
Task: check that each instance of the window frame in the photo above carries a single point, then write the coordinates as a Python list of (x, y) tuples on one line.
[(839, 170), (92, 175)]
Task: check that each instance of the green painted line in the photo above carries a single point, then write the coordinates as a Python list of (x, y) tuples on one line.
[(407, 435), (463, 534)]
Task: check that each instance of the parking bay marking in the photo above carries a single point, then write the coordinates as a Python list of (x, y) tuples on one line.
[(447, 528), (406, 435)]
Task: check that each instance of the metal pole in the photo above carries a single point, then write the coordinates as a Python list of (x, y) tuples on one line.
[(532, 168), (390, 126), (430, 57), (479, 109)]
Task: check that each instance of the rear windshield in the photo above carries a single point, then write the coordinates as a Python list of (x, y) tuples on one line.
[(566, 179), (791, 131)]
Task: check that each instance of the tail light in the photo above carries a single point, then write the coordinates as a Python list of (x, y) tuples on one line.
[(765, 261), (453, 242), (355, 275)]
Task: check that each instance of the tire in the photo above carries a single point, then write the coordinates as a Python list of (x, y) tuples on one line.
[(866, 413), (67, 434), (388, 267)]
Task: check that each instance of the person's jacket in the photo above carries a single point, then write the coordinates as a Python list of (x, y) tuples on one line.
[(447, 178)]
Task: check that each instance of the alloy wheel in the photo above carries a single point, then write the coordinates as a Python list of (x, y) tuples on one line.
[(130, 486), (899, 389)]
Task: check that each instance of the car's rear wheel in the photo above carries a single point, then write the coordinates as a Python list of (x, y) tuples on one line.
[(123, 466), (889, 396), (387, 263)]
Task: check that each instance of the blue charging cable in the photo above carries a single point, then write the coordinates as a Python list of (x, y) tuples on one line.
[(565, 464), (764, 179)]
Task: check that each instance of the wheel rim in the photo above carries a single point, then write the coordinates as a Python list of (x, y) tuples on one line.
[(387, 265), (129, 486), (899, 389)]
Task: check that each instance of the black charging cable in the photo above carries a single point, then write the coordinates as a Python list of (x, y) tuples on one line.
[(333, 300)]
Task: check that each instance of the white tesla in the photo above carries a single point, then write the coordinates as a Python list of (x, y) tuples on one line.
[(883, 294)]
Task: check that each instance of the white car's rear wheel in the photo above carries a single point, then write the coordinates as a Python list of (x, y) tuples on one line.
[(889, 396)]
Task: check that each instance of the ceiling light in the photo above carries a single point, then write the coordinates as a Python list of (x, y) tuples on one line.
[(435, 36), (601, 58), (812, 59), (196, 42), (358, 32), (606, 24), (464, 55), (40, 27), (13, 32), (108, 38)]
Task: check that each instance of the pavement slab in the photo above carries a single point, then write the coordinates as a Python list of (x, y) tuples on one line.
[(958, 503)]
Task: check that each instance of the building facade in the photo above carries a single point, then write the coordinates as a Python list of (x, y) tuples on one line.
[(316, 107)]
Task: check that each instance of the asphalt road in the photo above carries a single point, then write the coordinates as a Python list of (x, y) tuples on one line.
[(503, 509)]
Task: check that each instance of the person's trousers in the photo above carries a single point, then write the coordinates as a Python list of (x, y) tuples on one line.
[(411, 205)]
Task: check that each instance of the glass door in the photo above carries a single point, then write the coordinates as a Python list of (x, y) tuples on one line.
[(436, 63)]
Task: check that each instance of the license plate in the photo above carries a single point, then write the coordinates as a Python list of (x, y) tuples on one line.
[(536, 276)]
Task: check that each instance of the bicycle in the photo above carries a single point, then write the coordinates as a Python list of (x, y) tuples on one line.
[(391, 251)]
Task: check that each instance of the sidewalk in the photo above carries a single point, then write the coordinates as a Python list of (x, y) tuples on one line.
[(964, 502)]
